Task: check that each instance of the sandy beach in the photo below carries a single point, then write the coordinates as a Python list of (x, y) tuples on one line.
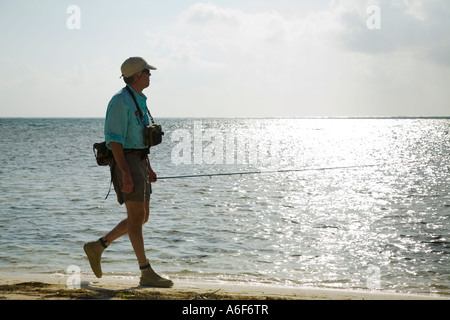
[(46, 287)]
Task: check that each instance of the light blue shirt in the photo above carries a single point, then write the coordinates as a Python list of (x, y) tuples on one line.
[(123, 123)]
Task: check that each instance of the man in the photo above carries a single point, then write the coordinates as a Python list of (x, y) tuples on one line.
[(131, 171)]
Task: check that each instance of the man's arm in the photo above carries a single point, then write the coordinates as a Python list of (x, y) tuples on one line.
[(119, 156), (152, 174)]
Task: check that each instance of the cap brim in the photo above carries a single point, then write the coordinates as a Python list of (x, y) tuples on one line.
[(146, 66)]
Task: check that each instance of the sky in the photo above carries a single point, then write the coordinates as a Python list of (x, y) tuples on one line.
[(228, 58)]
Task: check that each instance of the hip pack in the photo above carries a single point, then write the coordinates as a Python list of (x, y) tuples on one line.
[(103, 155)]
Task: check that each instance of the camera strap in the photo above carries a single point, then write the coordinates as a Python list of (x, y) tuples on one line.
[(139, 109)]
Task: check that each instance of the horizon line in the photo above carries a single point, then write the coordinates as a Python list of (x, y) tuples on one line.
[(239, 117)]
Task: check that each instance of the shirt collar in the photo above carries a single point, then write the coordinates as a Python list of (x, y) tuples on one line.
[(138, 96)]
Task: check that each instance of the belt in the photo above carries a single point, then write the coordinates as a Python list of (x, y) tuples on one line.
[(140, 152)]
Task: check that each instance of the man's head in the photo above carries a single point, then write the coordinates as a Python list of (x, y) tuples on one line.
[(136, 71)]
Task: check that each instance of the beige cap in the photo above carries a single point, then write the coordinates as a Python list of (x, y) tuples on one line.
[(134, 65)]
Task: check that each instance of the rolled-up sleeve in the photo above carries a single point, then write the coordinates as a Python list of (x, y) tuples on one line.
[(116, 121)]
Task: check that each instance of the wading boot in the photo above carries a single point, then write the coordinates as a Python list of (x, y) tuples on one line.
[(149, 278), (94, 252)]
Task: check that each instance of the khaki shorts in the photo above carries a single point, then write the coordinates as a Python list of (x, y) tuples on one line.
[(140, 175)]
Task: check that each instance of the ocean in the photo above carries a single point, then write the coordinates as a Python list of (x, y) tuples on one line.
[(332, 203)]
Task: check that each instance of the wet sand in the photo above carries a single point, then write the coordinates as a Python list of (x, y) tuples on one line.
[(44, 287)]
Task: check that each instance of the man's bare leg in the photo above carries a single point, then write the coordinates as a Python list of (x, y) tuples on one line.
[(95, 249), (137, 216), (122, 228), (136, 213)]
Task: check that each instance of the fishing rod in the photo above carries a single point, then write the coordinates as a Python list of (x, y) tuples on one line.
[(292, 170)]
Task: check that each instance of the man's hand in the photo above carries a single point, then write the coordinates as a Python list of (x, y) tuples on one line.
[(119, 156), (127, 182), (151, 173), (153, 177)]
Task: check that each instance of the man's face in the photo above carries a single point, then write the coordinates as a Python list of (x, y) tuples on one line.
[(144, 78)]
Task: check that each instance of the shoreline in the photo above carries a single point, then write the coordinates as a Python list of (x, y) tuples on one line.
[(50, 287)]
